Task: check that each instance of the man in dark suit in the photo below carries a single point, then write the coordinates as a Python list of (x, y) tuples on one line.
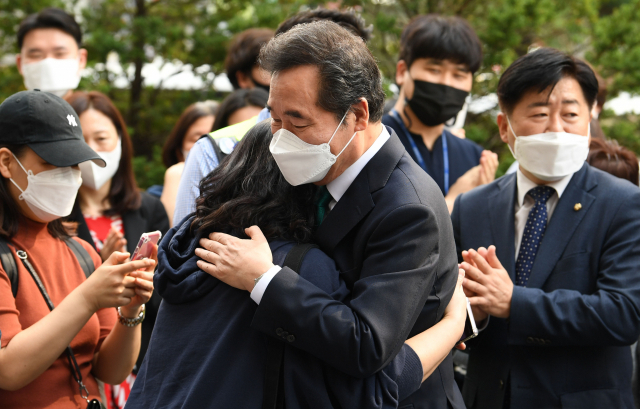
[(557, 253), (382, 219)]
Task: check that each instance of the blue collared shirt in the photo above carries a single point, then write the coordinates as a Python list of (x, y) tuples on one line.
[(201, 161)]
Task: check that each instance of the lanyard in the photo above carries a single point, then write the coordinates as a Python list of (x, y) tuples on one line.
[(75, 369), (445, 149)]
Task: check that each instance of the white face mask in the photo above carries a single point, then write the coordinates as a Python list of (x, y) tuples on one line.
[(50, 194), (54, 75), (550, 156), (301, 162), (95, 177)]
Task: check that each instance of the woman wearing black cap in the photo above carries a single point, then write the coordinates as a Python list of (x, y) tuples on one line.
[(41, 145)]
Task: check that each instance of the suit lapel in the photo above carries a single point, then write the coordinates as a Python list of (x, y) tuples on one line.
[(352, 207), (501, 210), (357, 202), (562, 226)]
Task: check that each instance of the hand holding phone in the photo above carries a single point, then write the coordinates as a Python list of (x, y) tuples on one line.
[(146, 245)]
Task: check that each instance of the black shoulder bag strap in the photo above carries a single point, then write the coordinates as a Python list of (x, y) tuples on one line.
[(85, 260), (9, 265), (75, 369), (216, 148), (273, 394)]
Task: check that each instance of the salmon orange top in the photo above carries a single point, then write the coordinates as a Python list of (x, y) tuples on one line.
[(60, 273)]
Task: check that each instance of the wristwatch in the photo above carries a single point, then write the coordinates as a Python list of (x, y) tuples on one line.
[(131, 322)]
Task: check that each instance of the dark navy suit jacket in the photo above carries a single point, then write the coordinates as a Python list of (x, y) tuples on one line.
[(390, 236), (565, 344)]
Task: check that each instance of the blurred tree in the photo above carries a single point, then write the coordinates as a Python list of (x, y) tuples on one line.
[(181, 32), (507, 29)]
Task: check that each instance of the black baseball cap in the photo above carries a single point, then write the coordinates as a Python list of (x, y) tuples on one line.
[(48, 125)]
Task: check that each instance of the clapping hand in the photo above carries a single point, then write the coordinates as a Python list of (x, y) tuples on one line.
[(487, 283)]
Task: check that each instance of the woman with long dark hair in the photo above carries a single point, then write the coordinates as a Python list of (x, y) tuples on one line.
[(41, 146), (195, 121), (204, 353), (110, 210)]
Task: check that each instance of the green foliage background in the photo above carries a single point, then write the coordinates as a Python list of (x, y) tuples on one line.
[(197, 32)]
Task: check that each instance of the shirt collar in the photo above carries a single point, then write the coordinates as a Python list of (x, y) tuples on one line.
[(339, 185), (525, 184)]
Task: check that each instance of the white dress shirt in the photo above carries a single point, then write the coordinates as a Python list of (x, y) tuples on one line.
[(336, 188), (525, 203)]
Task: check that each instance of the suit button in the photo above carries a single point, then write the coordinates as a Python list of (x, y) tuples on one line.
[(501, 384), (279, 332), (530, 340), (291, 338), (284, 334)]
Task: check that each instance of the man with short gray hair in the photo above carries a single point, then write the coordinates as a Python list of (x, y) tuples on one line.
[(381, 217)]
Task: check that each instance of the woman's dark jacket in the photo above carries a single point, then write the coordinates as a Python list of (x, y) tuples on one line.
[(150, 216), (204, 354)]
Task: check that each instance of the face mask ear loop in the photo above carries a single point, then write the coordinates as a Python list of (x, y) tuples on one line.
[(345, 146), (19, 163), (510, 127), (25, 171), (334, 132), (514, 134), (16, 185)]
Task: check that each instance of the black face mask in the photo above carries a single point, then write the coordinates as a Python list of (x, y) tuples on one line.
[(435, 104)]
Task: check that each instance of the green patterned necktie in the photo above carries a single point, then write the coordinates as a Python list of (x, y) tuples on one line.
[(323, 197)]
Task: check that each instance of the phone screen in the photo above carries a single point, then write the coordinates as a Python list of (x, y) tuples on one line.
[(470, 329), (145, 245)]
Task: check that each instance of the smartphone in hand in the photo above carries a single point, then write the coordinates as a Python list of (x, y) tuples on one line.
[(470, 329), (145, 245)]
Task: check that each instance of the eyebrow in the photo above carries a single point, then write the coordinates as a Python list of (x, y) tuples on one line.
[(35, 49), (546, 103), (295, 114), (440, 62), (292, 113)]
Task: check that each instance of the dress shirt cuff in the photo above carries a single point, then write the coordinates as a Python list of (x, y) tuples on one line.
[(261, 287)]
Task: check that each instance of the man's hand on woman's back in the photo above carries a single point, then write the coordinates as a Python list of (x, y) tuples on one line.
[(236, 262)]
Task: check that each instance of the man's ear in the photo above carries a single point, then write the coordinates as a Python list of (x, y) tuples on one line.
[(82, 57), (401, 70), (503, 127), (361, 112), (244, 82), (19, 63), (5, 161)]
